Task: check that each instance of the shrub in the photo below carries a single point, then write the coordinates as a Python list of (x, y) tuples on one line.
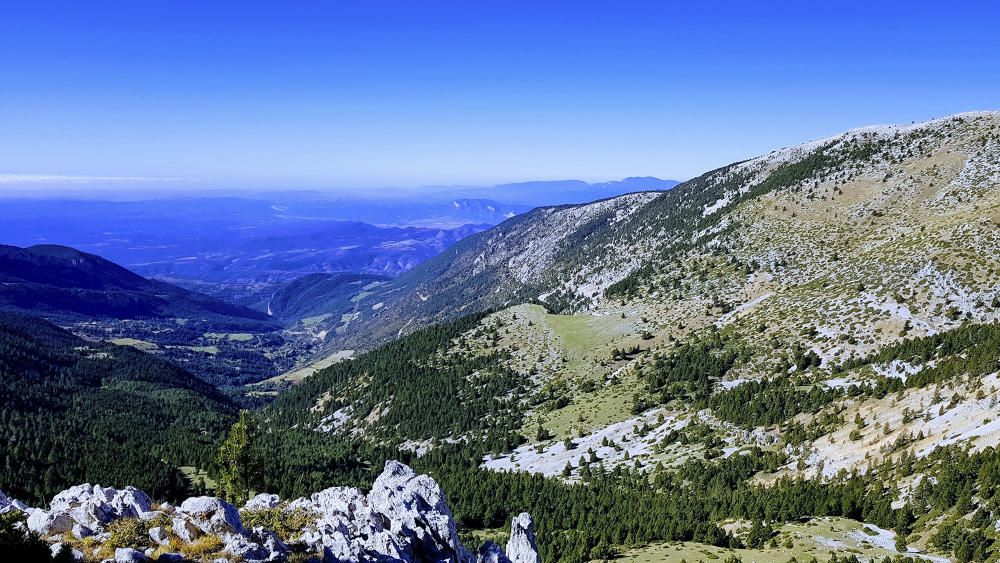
[(17, 543), (202, 547), (128, 532), (287, 524)]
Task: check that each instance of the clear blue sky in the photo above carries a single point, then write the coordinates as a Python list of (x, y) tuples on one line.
[(372, 93)]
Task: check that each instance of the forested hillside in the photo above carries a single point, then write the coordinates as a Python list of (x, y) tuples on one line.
[(73, 411), (318, 295), (62, 281), (604, 510)]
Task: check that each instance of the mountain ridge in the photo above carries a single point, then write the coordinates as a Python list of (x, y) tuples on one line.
[(647, 226), (65, 281)]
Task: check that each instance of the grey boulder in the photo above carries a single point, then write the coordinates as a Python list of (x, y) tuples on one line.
[(262, 501), (90, 507), (212, 515)]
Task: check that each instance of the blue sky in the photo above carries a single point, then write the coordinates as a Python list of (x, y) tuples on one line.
[(371, 93)]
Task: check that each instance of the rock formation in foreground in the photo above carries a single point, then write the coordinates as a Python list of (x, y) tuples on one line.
[(403, 518)]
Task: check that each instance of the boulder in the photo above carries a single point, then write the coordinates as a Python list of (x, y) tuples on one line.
[(90, 507), (74, 554), (522, 547), (212, 515), (7, 504), (245, 549), (259, 546), (262, 501), (80, 531), (404, 518), (185, 530), (129, 555), (276, 549), (48, 523), (344, 529), (159, 535), (56, 548), (127, 502)]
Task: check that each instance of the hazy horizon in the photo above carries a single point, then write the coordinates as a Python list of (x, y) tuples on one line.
[(129, 189), (200, 96)]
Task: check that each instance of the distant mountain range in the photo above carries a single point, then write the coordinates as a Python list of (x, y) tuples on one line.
[(340, 246), (547, 193), (241, 249), (223, 344)]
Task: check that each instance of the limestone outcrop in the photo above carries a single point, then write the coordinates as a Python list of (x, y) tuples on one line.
[(403, 518)]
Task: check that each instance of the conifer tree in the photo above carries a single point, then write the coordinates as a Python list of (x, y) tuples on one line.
[(234, 462)]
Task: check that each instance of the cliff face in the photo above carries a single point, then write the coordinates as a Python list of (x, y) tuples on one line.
[(403, 518)]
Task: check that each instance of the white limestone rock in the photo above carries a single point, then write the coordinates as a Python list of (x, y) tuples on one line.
[(491, 553), (212, 515), (276, 549), (344, 528), (418, 516), (17, 505), (185, 529), (129, 555), (522, 547), (80, 531), (262, 501), (259, 546), (404, 518), (49, 524), (7, 504), (245, 549), (90, 507), (57, 547), (159, 535)]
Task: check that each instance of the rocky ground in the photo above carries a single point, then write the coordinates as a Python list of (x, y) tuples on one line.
[(403, 518)]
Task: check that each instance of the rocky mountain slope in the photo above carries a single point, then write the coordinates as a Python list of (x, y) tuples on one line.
[(521, 259), (404, 517), (892, 193), (834, 304)]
